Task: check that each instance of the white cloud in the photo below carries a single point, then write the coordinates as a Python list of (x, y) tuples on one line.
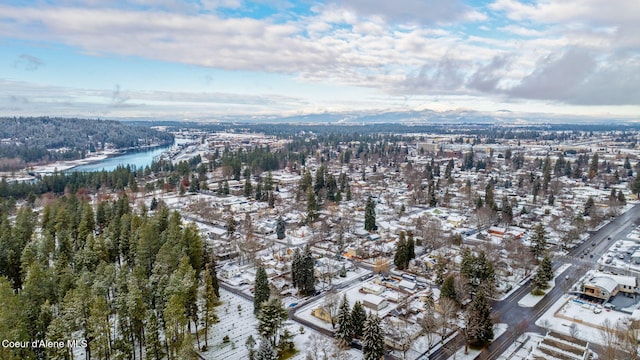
[(407, 48)]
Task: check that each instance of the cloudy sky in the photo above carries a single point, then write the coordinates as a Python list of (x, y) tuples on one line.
[(197, 59)]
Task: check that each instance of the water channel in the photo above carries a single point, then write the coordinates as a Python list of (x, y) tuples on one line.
[(137, 158)]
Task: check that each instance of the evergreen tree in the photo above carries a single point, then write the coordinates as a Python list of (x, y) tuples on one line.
[(448, 288), (370, 215), (478, 324), (588, 206), (280, 228), (312, 206), (153, 344), (358, 317), (248, 189), (344, 333), (373, 339), (477, 270), (210, 266), (306, 276), (621, 198), (210, 300), (593, 167), (261, 291), (270, 319), (544, 273), (539, 240), (296, 269), (11, 323), (411, 246), (266, 351), (401, 257)]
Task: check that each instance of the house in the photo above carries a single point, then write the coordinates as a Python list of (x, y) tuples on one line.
[(374, 302), (407, 285), (604, 286), (601, 287), (216, 233), (230, 270), (370, 288)]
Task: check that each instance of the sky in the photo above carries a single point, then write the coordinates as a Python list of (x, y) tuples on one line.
[(211, 59)]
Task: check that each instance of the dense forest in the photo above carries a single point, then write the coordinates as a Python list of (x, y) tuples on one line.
[(43, 139), (114, 279)]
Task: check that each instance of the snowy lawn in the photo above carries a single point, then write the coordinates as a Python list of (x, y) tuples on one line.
[(240, 324), (236, 321)]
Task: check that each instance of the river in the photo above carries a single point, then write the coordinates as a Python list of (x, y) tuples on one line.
[(137, 158)]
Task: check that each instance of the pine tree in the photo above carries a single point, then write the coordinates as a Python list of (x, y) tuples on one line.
[(588, 206), (358, 317), (448, 288), (479, 325), (308, 273), (373, 339), (401, 257), (280, 228), (544, 273), (261, 292), (210, 300), (210, 266), (296, 269), (370, 215), (411, 246), (312, 206), (539, 241), (266, 351), (270, 319), (344, 333), (248, 189)]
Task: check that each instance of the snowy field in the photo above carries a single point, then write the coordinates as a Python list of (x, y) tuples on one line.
[(238, 322)]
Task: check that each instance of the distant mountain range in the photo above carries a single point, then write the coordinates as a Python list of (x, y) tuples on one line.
[(423, 117)]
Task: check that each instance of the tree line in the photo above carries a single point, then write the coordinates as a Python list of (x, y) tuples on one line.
[(44, 139)]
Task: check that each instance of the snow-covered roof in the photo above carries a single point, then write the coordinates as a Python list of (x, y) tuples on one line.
[(604, 282), (406, 284), (373, 299)]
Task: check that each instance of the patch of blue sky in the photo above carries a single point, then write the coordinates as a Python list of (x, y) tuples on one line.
[(66, 65), (276, 11)]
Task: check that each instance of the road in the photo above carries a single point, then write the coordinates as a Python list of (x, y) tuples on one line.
[(521, 319)]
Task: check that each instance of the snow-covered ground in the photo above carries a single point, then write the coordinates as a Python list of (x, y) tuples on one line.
[(522, 347), (238, 322), (498, 329), (568, 311), (531, 300)]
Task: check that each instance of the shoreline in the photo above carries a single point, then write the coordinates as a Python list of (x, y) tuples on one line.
[(32, 173)]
